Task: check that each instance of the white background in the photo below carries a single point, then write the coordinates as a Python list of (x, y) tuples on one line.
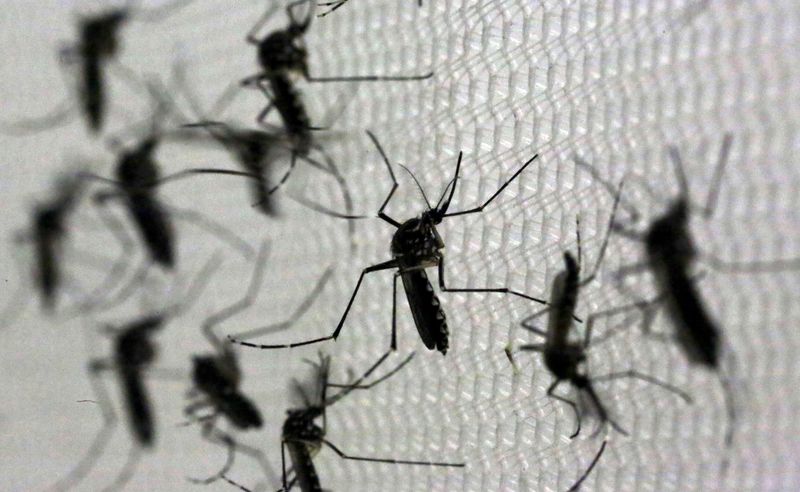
[(612, 81)]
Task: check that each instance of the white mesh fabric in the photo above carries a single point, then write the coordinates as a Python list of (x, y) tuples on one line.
[(614, 82)]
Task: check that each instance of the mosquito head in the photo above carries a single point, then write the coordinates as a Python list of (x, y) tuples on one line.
[(136, 167), (570, 264), (283, 51), (134, 348), (49, 220), (99, 33), (668, 236), (214, 376)]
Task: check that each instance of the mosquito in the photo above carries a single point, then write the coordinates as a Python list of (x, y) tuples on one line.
[(302, 437), (48, 235), (336, 4), (97, 47), (217, 377), (670, 253), (48, 232), (563, 357), (281, 54), (416, 245), (134, 353), (136, 184)]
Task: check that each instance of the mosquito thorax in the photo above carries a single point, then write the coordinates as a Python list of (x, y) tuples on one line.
[(137, 168), (416, 237), (300, 422), (668, 239), (134, 349), (281, 52), (100, 33)]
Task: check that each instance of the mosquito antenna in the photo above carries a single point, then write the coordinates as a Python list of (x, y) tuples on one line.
[(680, 174), (419, 186), (716, 179)]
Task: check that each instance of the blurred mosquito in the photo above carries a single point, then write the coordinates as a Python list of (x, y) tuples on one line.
[(336, 4), (97, 47), (670, 252), (303, 437), (255, 150), (217, 376), (416, 245), (133, 355), (137, 180), (563, 357), (48, 232), (48, 235)]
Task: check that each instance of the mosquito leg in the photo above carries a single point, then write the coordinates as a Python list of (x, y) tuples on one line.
[(216, 437), (116, 272), (301, 309), (381, 266), (577, 485), (359, 384), (96, 449), (126, 473), (480, 208), (600, 256), (499, 290), (240, 305), (572, 404), (215, 228), (388, 460), (381, 214), (527, 325), (253, 32), (644, 377)]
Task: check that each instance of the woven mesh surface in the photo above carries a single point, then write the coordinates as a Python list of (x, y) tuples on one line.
[(613, 82)]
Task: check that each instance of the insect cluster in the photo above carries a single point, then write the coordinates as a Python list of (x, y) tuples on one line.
[(131, 207)]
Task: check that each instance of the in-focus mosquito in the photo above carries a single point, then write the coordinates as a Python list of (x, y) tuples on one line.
[(302, 437), (417, 245), (562, 356)]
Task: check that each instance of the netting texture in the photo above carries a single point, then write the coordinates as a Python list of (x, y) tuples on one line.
[(614, 82)]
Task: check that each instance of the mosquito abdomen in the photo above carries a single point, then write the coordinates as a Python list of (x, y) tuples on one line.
[(428, 314)]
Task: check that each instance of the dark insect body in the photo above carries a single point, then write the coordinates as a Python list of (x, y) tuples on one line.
[(97, 46), (416, 245), (133, 354), (303, 437), (563, 357), (252, 150), (670, 254), (48, 234), (137, 173), (217, 379), (137, 179), (281, 54)]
